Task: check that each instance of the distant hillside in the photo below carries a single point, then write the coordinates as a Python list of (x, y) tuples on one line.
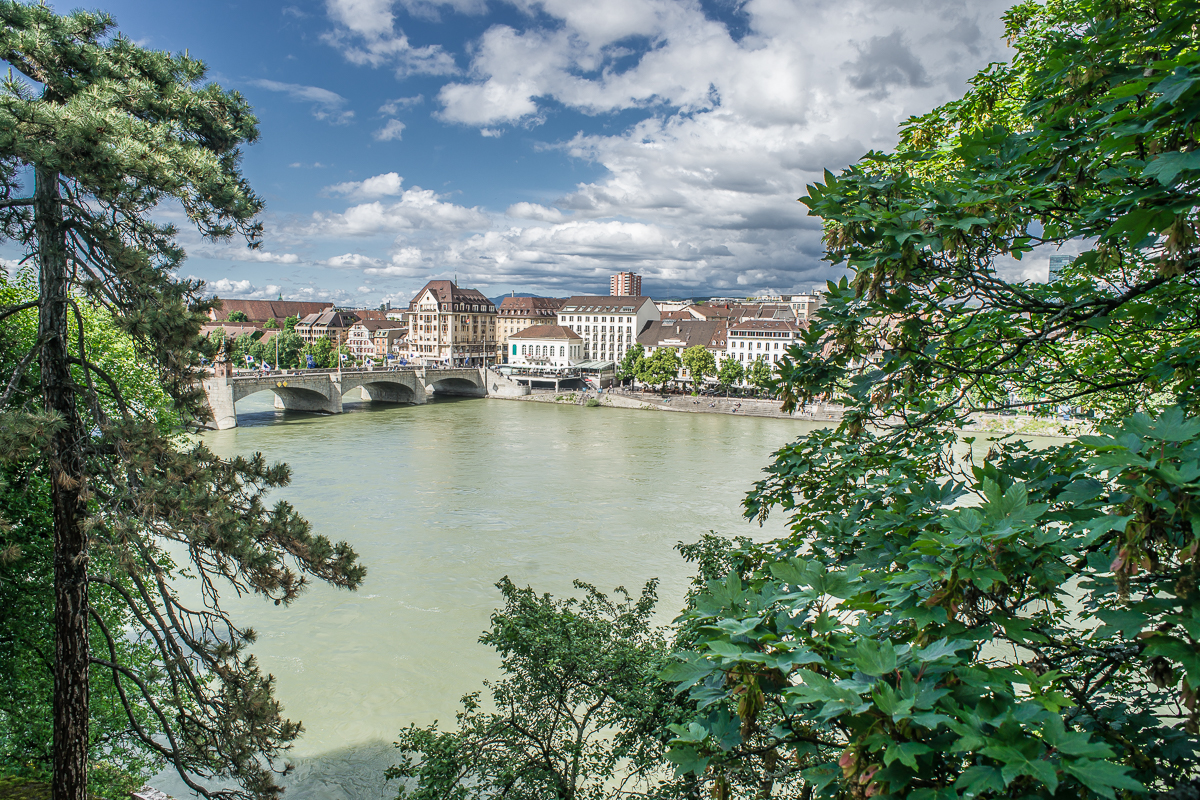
[(500, 299)]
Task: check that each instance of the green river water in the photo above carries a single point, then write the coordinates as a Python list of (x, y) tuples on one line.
[(441, 501)]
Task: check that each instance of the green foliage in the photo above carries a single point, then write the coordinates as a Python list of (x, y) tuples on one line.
[(322, 351), (579, 714), (730, 373), (873, 653), (271, 324), (118, 762), (660, 368), (592, 403), (290, 323), (699, 362), (1011, 623), (758, 374), (238, 316), (631, 365), (290, 347)]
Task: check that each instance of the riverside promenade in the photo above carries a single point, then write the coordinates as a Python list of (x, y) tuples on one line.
[(992, 424)]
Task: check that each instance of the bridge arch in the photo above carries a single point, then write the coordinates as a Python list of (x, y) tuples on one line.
[(385, 386), (389, 391), (294, 398), (456, 386)]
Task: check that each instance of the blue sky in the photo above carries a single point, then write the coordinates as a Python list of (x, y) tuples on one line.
[(541, 145)]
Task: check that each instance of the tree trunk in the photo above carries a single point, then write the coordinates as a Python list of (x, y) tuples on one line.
[(68, 500)]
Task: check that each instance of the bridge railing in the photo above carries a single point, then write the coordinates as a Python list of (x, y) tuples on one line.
[(273, 373)]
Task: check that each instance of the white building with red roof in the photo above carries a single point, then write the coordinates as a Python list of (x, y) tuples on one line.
[(551, 346)]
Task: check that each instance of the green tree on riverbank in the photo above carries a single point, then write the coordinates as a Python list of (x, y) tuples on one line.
[(699, 363), (96, 133), (631, 365), (730, 373), (1020, 624), (758, 374), (322, 351), (660, 368), (578, 711)]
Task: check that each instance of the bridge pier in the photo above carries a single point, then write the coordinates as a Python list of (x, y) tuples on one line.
[(219, 392), (392, 393), (459, 382), (306, 400)]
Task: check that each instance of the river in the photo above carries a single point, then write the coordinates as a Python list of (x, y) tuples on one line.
[(443, 500)]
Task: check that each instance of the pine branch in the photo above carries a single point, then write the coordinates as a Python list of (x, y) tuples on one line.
[(8, 311), (18, 372)]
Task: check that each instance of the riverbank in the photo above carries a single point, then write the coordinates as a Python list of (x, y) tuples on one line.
[(646, 401), (823, 412)]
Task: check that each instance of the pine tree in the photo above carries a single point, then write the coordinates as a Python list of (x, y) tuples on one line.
[(106, 132)]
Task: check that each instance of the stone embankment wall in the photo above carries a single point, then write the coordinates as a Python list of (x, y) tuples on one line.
[(980, 423), (685, 404)]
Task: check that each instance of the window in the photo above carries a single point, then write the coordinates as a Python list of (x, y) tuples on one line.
[(522, 349), (562, 351)]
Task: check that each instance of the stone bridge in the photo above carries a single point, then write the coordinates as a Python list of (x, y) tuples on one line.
[(322, 390)]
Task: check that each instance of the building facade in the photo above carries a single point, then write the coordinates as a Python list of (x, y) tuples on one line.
[(550, 346), (360, 339), (761, 339), (625, 284), (452, 326), (518, 313), (390, 342), (805, 305), (608, 325), (332, 325)]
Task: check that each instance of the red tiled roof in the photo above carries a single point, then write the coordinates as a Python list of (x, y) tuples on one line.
[(691, 332), (545, 332), (263, 310), (448, 294)]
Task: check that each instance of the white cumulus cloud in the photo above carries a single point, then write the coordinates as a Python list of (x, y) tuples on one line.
[(416, 209), (241, 290), (235, 253), (366, 33), (385, 185), (390, 132), (534, 211), (393, 107), (407, 262), (352, 261)]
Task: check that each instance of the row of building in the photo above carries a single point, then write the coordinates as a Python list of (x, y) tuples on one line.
[(448, 325)]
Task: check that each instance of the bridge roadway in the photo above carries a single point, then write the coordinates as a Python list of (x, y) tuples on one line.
[(321, 390)]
